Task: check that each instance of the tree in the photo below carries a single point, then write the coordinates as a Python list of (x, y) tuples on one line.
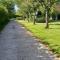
[(9, 5), (33, 5), (28, 8), (47, 4), (34, 9)]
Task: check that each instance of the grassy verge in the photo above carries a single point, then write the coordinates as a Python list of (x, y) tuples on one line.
[(50, 36)]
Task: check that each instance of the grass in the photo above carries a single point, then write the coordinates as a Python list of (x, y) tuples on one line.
[(50, 36)]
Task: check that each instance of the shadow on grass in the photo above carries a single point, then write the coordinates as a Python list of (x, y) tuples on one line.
[(54, 24), (54, 28)]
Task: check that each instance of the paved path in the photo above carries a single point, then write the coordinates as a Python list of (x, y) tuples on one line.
[(17, 44)]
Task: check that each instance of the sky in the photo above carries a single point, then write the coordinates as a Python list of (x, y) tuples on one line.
[(16, 8)]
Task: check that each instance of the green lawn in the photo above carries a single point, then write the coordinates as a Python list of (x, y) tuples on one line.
[(50, 36)]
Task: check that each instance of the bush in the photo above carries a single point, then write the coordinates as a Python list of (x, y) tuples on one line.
[(40, 20), (3, 17)]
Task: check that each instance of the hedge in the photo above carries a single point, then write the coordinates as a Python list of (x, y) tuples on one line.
[(3, 17)]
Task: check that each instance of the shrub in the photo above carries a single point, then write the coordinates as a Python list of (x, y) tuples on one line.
[(3, 17), (40, 20)]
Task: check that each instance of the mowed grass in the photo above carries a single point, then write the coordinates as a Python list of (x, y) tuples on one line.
[(50, 36)]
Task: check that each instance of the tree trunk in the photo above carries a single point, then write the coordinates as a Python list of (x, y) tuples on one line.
[(47, 18), (28, 17), (34, 20), (56, 17)]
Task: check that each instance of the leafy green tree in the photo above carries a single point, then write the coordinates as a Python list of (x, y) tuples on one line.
[(29, 7), (35, 7), (47, 4), (9, 5)]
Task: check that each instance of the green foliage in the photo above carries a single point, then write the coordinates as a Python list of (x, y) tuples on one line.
[(9, 5), (40, 20), (30, 7), (6, 11), (3, 17)]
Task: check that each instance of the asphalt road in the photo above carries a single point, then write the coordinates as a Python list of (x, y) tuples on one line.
[(17, 44)]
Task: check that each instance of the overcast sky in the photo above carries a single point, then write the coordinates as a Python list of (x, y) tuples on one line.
[(16, 8)]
